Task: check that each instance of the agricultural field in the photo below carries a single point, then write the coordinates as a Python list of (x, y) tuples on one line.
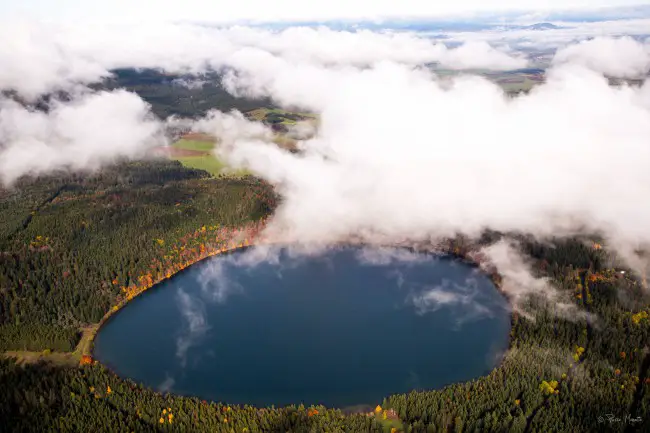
[(284, 124), (510, 81), (277, 115), (196, 151)]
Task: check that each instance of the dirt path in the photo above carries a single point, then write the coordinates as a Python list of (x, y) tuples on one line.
[(70, 359)]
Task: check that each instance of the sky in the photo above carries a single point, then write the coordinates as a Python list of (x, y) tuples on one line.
[(278, 10)]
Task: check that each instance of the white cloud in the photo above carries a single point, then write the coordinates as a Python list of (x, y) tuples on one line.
[(41, 58), (437, 297), (518, 283), (382, 256), (196, 325), (167, 384), (83, 134), (323, 46), (616, 57), (94, 129), (216, 283), (464, 298), (233, 126), (567, 33), (480, 55), (399, 155), (34, 62)]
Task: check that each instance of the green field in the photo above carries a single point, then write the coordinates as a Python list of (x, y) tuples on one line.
[(199, 146), (208, 163), (277, 115), (204, 158)]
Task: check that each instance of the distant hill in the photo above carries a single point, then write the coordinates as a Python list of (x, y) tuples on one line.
[(542, 26), (414, 25), (536, 26)]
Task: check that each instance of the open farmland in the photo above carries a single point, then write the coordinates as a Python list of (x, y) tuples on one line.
[(196, 151), (197, 154), (277, 115)]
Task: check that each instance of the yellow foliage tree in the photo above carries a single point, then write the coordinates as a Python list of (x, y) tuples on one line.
[(549, 387)]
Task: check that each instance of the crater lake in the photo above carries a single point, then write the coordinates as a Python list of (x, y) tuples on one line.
[(275, 326)]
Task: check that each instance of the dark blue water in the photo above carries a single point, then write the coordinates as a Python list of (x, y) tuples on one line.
[(347, 327)]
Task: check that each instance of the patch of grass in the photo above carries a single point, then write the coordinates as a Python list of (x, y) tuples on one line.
[(208, 163), (199, 146), (525, 84), (24, 357), (211, 164), (284, 142), (85, 345), (258, 114), (284, 112), (265, 114), (71, 359)]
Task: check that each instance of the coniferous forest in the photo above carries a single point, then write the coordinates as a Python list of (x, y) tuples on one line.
[(75, 247)]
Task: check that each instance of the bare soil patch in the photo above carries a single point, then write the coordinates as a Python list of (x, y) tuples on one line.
[(198, 136)]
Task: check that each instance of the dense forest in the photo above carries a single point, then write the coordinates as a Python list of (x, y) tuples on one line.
[(179, 94), (561, 373), (72, 247)]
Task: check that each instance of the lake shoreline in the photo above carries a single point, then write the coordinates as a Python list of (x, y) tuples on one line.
[(83, 353), (440, 253), (113, 311)]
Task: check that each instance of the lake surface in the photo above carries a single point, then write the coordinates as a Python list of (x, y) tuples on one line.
[(347, 327)]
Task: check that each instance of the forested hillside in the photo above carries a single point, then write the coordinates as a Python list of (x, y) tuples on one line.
[(563, 372), (179, 94), (71, 245)]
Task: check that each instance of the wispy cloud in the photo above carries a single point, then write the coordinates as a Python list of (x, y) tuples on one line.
[(167, 384), (195, 327), (216, 282), (616, 57), (382, 256), (463, 297), (565, 34), (92, 130)]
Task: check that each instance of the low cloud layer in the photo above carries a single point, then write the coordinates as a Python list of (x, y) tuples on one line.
[(480, 55), (39, 58), (96, 128), (92, 130), (615, 57), (398, 154), (566, 33)]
